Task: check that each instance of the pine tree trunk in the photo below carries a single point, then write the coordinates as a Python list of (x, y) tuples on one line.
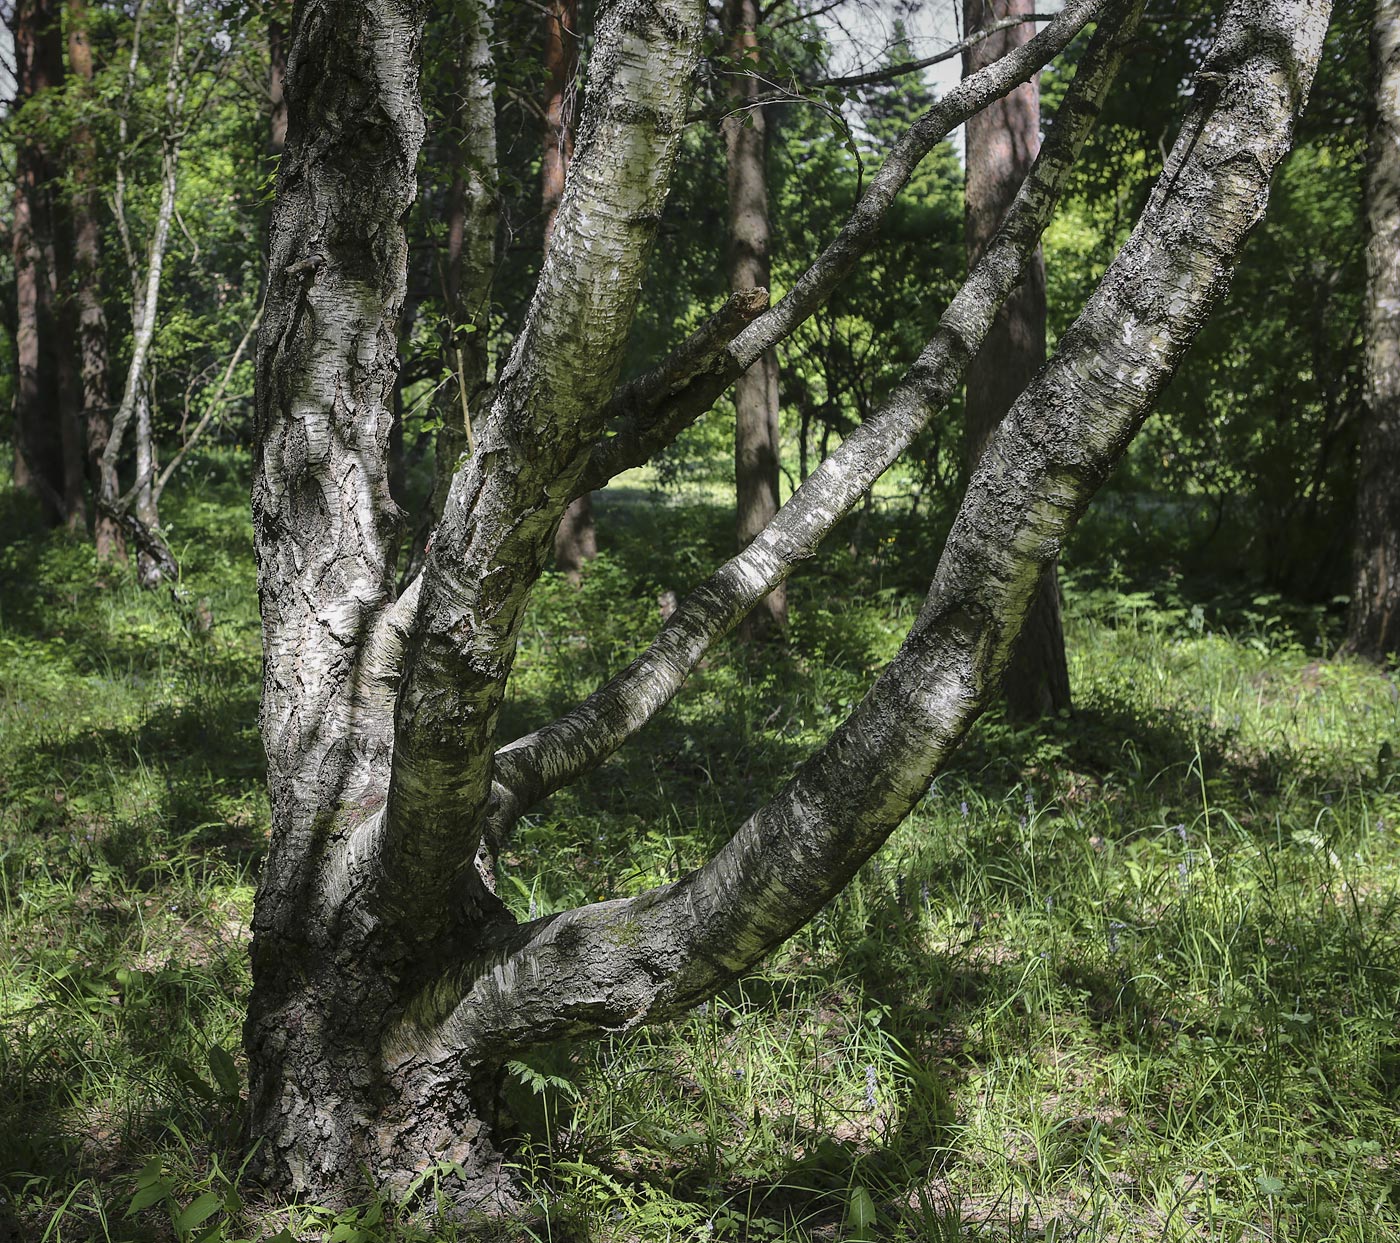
[(576, 540), (91, 325), (757, 446), (41, 406), (1374, 627), (471, 244), (1002, 142)]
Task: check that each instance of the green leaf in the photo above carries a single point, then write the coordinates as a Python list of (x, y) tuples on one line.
[(224, 1071), (203, 1208), (1270, 1185), (860, 1215), (150, 1194)]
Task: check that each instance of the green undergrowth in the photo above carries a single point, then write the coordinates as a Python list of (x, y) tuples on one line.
[(1130, 975)]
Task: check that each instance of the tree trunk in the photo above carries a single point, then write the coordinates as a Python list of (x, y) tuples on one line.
[(576, 540), (389, 983), (41, 406), (91, 327), (1374, 625), (277, 79), (375, 793), (757, 447), (471, 244), (1002, 142)]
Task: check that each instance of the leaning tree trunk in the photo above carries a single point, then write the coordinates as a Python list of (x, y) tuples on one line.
[(1374, 627), (757, 446), (389, 983), (576, 540), (1002, 142)]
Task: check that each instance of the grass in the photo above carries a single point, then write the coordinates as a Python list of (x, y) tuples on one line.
[(1134, 975)]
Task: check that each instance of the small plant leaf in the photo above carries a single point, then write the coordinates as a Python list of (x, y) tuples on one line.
[(224, 1071), (203, 1208)]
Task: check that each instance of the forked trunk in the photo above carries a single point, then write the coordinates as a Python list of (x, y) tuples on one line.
[(389, 981)]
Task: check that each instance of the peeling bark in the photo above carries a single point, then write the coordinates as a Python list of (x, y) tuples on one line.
[(389, 983), (1374, 624)]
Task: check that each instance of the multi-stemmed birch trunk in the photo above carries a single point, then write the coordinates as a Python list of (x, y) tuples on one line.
[(390, 983), (1374, 628)]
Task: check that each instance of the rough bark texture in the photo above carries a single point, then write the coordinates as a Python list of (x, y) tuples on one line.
[(376, 786), (388, 982), (1374, 628), (576, 540), (757, 445), (89, 313), (40, 406), (1002, 142)]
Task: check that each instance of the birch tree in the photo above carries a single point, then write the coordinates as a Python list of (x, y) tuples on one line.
[(390, 982)]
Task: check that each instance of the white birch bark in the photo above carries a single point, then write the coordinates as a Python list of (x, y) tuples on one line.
[(617, 964)]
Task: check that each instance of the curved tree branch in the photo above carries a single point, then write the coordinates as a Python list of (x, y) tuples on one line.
[(561, 752), (617, 964), (650, 428)]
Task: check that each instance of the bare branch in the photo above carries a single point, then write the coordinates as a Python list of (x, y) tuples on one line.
[(680, 408), (561, 752)]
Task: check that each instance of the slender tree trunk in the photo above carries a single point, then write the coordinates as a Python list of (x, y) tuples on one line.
[(40, 439), (471, 243), (91, 327), (144, 310), (756, 441), (1002, 142), (576, 540), (1374, 627), (277, 78)]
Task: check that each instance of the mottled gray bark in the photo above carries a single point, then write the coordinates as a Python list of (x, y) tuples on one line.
[(1002, 142), (389, 984), (379, 764), (757, 442), (1374, 625), (576, 539)]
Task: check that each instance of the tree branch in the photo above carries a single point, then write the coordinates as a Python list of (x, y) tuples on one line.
[(558, 754), (618, 964), (506, 501), (662, 422)]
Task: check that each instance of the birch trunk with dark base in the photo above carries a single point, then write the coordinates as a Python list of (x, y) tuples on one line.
[(389, 982), (1002, 142), (1374, 624), (757, 445)]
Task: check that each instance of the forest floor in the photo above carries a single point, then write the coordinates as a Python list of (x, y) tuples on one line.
[(1131, 975)]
